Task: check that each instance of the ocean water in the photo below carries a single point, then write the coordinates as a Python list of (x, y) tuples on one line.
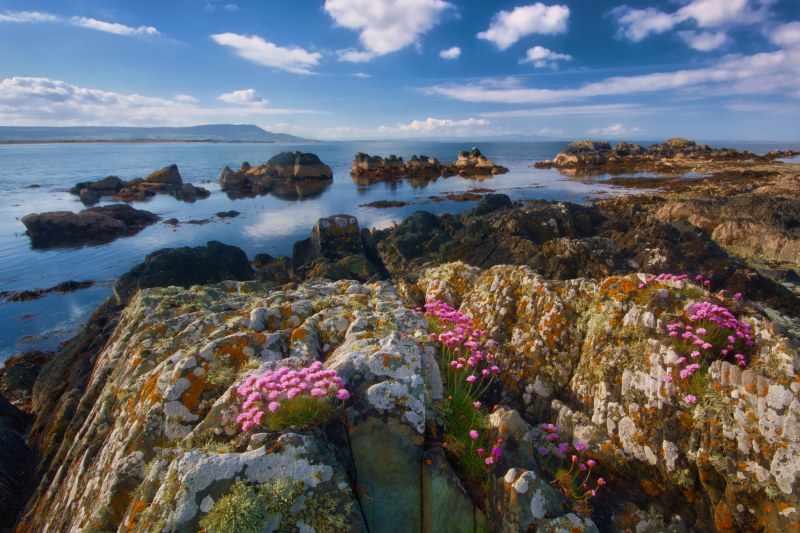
[(266, 224)]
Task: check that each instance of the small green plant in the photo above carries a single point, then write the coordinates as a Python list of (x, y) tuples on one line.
[(221, 372), (242, 510)]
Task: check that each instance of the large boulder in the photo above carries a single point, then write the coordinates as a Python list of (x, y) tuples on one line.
[(169, 176), (97, 224), (184, 267)]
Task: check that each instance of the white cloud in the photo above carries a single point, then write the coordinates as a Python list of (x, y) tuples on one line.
[(384, 26), (637, 24), (243, 97), (42, 101), (27, 16), (614, 130), (542, 57), (450, 53), (255, 49), (787, 35), (766, 73), (185, 98), (81, 22), (361, 75), (703, 41), (431, 124), (112, 27), (508, 27)]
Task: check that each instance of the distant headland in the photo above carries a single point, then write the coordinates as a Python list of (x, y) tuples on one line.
[(114, 134)]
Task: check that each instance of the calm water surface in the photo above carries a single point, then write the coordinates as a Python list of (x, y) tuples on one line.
[(266, 224)]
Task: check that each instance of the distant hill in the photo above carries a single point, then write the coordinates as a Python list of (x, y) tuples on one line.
[(207, 132)]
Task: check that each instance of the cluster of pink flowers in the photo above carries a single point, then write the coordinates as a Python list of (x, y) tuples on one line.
[(494, 452), (663, 277), (284, 384), (577, 467), (461, 337)]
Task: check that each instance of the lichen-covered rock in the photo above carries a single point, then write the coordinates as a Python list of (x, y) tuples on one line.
[(595, 355), (159, 443), (288, 175), (369, 169)]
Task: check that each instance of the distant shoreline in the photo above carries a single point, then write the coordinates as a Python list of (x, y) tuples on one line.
[(138, 141)]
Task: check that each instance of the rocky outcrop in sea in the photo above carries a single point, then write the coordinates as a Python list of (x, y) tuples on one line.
[(94, 225), (165, 181), (288, 175), (369, 169)]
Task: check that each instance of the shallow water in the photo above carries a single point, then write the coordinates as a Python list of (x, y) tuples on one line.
[(266, 224)]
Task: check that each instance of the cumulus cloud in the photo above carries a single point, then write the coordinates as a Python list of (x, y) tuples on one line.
[(542, 57), (244, 97), (43, 101), (384, 26), (435, 125), (185, 98), (703, 41), (560, 111), (637, 24), (255, 49), (450, 53), (508, 27), (614, 130), (82, 22), (766, 73)]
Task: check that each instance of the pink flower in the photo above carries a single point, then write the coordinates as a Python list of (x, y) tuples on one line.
[(343, 395), (470, 379), (591, 463), (600, 482), (273, 406), (495, 369), (292, 392), (667, 378), (497, 452), (489, 460), (480, 451), (580, 446), (689, 398), (473, 434), (317, 393), (738, 295), (476, 405)]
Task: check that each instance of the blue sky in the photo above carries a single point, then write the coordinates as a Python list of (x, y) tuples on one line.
[(366, 69)]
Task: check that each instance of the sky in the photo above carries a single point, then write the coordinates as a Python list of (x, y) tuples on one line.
[(372, 69)]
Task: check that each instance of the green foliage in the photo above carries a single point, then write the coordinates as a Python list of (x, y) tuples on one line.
[(221, 372), (302, 411), (242, 510)]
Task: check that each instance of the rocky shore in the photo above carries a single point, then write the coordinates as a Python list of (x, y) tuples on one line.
[(595, 316)]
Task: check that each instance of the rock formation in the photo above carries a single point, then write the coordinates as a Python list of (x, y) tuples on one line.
[(368, 169), (93, 225), (165, 181), (288, 175), (599, 156)]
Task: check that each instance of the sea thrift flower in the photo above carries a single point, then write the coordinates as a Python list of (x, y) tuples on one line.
[(473, 434), (690, 398), (480, 451), (497, 452), (490, 460)]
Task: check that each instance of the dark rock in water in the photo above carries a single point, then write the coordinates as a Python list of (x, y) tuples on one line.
[(35, 294), (172, 222), (97, 224), (185, 267), (490, 203), (288, 175), (16, 475), (89, 197), (337, 250), (228, 214), (167, 175)]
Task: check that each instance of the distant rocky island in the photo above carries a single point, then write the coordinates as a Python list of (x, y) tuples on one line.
[(672, 156), (82, 134), (368, 169)]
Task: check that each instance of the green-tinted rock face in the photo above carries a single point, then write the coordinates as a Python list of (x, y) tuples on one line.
[(167, 175)]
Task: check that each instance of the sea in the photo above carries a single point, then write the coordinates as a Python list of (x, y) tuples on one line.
[(35, 178)]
